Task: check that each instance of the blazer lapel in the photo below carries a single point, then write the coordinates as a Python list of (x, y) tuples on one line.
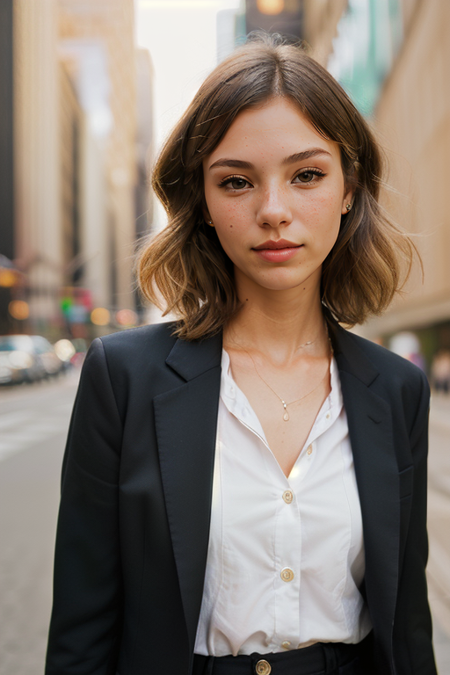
[(186, 420), (371, 435)]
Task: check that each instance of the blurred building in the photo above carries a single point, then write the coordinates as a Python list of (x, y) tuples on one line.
[(321, 19), (145, 148), (71, 124), (7, 275), (412, 121), (404, 87), (145, 141), (76, 164), (368, 39), (230, 29), (97, 37), (37, 179), (315, 21), (275, 16)]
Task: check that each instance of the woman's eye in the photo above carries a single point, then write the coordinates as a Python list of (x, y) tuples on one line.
[(235, 183), (309, 176)]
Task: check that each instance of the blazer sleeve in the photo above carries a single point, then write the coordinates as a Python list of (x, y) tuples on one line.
[(413, 651), (86, 615)]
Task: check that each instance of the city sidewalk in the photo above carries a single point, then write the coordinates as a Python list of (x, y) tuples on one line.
[(438, 571)]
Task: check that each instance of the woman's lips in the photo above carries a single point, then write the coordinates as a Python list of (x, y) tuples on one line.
[(277, 251)]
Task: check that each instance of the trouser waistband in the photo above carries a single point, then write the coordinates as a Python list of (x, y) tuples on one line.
[(320, 658)]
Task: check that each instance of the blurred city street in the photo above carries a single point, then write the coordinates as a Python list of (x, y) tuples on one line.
[(33, 427), (439, 527)]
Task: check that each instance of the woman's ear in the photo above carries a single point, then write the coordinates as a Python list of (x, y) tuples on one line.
[(350, 180), (347, 202), (207, 217)]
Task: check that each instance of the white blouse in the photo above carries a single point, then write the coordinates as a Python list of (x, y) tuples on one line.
[(286, 555)]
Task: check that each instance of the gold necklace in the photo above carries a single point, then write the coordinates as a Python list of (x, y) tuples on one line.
[(305, 344), (284, 403)]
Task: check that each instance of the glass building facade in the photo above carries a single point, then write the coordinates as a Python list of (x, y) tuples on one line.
[(369, 38)]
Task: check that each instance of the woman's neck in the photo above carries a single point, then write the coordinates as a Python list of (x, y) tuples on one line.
[(278, 324)]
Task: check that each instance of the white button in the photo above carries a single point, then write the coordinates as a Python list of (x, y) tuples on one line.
[(288, 496), (309, 450), (232, 391), (286, 644), (287, 574)]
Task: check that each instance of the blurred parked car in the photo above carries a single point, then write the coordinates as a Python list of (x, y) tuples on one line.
[(18, 360), (27, 358), (53, 365)]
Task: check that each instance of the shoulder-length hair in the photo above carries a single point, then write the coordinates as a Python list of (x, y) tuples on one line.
[(184, 266)]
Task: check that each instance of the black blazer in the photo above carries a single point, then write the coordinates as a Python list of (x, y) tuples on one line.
[(136, 496)]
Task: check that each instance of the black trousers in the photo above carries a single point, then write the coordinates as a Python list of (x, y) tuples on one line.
[(325, 658)]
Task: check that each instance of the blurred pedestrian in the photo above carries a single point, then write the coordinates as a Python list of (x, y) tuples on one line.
[(440, 371), (244, 489)]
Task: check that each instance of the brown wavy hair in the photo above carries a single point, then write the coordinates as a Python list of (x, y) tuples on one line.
[(184, 266)]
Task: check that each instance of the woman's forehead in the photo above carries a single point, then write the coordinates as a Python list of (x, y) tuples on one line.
[(278, 126)]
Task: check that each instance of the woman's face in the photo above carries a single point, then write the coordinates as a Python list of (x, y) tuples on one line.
[(275, 193)]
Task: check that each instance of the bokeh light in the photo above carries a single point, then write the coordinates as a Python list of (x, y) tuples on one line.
[(271, 7), (19, 309), (8, 278), (100, 316), (126, 317), (64, 349)]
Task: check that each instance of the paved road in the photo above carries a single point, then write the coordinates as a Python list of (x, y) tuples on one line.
[(33, 427), (439, 527)]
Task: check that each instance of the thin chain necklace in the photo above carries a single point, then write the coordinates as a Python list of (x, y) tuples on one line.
[(284, 403)]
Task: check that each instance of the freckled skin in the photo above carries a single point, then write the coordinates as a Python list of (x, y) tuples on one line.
[(271, 200)]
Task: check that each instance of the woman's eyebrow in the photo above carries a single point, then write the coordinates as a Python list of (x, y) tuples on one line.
[(233, 163), (306, 154), (296, 157)]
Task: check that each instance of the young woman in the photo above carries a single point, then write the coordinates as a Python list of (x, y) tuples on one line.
[(244, 490)]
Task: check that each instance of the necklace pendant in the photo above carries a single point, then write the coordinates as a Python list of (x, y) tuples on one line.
[(286, 416)]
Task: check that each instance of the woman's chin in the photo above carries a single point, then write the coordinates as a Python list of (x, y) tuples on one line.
[(281, 280)]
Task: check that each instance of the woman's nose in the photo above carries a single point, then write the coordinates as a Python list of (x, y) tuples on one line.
[(274, 209)]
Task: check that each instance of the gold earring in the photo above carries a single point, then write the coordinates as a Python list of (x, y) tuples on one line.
[(348, 207)]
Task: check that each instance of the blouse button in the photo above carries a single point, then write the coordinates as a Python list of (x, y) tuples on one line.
[(309, 450), (328, 416), (263, 667), (287, 574), (288, 496), (286, 644)]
